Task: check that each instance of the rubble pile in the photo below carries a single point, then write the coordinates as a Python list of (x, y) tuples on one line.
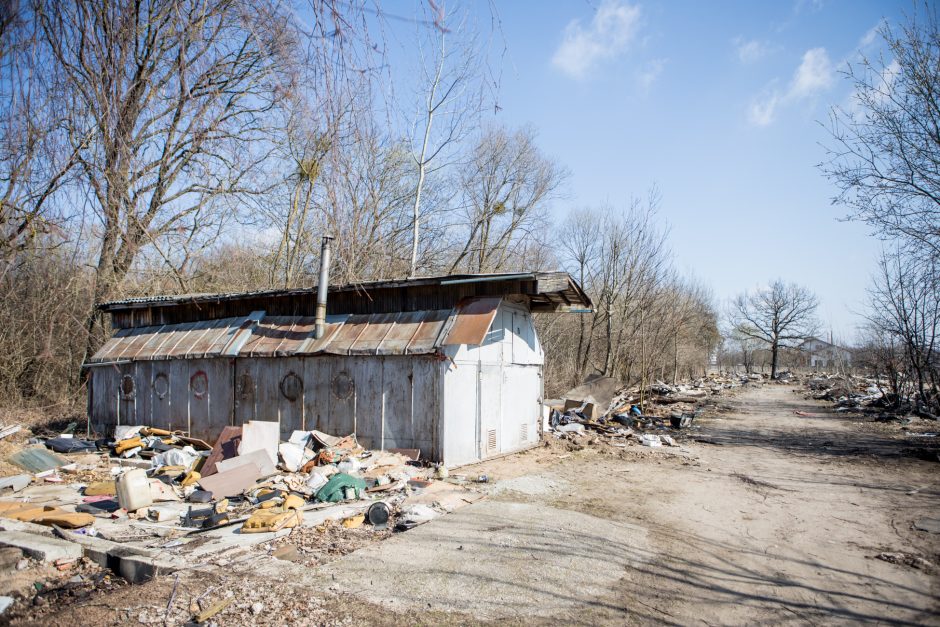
[(854, 393), (655, 416), (152, 501)]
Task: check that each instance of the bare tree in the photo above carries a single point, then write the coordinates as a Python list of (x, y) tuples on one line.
[(776, 316), (905, 299), (886, 144), (451, 99), (168, 107), (35, 162), (506, 187)]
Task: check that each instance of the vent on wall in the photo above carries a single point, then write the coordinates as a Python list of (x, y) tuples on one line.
[(491, 440), (525, 432)]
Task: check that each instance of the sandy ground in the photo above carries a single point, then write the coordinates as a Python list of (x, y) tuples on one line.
[(773, 518)]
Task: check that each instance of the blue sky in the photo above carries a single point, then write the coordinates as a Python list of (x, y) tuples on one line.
[(717, 103)]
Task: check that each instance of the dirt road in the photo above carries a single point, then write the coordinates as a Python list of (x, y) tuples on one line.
[(774, 518), (777, 521)]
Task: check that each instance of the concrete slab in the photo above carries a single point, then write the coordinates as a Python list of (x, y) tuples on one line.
[(41, 547), (494, 560)]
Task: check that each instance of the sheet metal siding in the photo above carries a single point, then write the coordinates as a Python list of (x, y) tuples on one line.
[(193, 395), (387, 401), (492, 392)]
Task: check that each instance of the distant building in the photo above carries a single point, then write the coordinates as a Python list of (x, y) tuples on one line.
[(819, 353)]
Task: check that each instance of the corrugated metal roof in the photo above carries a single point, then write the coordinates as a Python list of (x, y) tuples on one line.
[(403, 333), (552, 282)]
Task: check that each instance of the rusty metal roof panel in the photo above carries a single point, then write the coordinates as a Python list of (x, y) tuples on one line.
[(472, 321), (189, 340), (343, 341), (278, 335), (427, 336), (402, 333), (375, 328)]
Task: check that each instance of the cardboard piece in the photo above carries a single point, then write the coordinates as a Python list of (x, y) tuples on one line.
[(259, 458), (231, 482)]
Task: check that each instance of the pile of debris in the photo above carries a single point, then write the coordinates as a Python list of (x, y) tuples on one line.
[(653, 417), (170, 501), (867, 395)]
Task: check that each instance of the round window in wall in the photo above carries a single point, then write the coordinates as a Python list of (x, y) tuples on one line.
[(127, 386), (245, 387), (161, 385), (199, 384), (343, 386), (292, 386)]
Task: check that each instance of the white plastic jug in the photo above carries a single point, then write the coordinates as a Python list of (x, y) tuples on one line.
[(133, 490)]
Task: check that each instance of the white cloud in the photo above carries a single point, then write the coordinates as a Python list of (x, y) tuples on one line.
[(750, 51), (813, 76), (610, 32), (872, 35), (763, 110), (649, 75)]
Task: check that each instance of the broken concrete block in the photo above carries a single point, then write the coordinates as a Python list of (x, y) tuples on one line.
[(9, 557), (41, 547)]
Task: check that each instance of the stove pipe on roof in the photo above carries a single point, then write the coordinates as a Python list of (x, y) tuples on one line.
[(322, 286)]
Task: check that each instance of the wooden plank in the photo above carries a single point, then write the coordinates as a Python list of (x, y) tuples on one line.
[(145, 392), (224, 448), (128, 388), (426, 392), (221, 397), (317, 393), (290, 395), (397, 377), (245, 390), (368, 376), (343, 385), (160, 394), (199, 372), (179, 395)]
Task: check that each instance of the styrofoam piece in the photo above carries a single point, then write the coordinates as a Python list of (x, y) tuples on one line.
[(257, 434)]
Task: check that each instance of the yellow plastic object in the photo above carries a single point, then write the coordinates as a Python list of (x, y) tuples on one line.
[(354, 522), (267, 520), (126, 445), (169, 471), (293, 502), (9, 507), (155, 431), (191, 478), (101, 488), (29, 514), (67, 520)]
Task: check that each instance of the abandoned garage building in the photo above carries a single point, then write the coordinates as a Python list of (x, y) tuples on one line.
[(448, 365)]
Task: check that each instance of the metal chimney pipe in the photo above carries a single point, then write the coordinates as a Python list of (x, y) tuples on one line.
[(322, 286)]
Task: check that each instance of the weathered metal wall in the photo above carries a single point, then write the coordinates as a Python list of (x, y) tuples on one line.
[(194, 395), (388, 401), (492, 393)]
